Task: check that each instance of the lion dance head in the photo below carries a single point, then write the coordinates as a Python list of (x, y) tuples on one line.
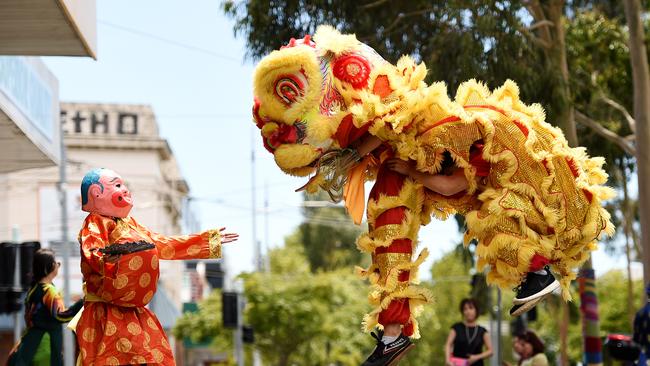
[(304, 91)]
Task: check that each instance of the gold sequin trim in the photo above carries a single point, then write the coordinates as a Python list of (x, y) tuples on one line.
[(387, 261), (391, 231), (214, 241)]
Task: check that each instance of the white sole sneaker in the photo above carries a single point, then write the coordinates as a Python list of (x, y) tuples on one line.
[(523, 308), (547, 290)]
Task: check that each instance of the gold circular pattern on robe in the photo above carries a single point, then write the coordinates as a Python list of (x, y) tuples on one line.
[(139, 310), (102, 348), (165, 343), (157, 355), (134, 328), (113, 361), (117, 312), (110, 328), (152, 324), (147, 297), (123, 345), (135, 263), (193, 250), (128, 296), (145, 344), (145, 279), (88, 335), (154, 262), (84, 353), (120, 281), (138, 360), (167, 252)]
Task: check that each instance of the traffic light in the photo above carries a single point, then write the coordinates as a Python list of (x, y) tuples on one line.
[(8, 253), (248, 335), (229, 304), (10, 301), (11, 296), (214, 274), (480, 292)]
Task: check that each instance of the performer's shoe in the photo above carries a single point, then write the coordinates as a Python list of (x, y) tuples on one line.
[(526, 307), (388, 354), (534, 286)]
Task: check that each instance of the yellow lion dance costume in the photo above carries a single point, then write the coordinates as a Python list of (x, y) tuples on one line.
[(531, 197)]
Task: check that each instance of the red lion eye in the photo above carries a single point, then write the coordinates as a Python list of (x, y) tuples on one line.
[(290, 87)]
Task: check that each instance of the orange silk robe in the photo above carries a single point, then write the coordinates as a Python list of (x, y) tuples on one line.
[(115, 327)]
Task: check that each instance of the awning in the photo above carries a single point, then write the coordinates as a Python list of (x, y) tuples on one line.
[(48, 27), (29, 112)]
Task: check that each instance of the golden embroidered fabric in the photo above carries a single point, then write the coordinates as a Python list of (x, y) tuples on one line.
[(214, 242), (540, 197)]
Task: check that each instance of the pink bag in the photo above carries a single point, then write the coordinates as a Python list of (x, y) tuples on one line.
[(457, 361)]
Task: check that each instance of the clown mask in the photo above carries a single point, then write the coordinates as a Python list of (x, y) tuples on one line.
[(103, 192)]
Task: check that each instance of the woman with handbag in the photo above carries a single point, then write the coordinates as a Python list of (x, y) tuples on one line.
[(467, 339)]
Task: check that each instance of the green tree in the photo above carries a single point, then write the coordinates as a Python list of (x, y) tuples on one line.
[(327, 235), (638, 44), (205, 324), (299, 317), (612, 295), (450, 284), (305, 318)]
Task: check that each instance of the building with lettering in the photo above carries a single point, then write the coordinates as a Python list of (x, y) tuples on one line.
[(121, 137)]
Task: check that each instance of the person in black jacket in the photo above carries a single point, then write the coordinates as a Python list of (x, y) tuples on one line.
[(44, 313)]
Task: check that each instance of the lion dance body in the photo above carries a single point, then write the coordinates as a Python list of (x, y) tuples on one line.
[(531, 197)]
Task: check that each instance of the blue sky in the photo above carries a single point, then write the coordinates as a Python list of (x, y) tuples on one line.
[(200, 88)]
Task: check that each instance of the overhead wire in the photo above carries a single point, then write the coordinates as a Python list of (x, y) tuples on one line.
[(168, 41)]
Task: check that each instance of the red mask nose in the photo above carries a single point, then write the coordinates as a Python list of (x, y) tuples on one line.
[(118, 200)]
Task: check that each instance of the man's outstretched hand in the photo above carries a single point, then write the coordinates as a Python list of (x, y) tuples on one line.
[(227, 237)]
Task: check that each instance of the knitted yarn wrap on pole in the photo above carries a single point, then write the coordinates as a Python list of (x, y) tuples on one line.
[(315, 98)]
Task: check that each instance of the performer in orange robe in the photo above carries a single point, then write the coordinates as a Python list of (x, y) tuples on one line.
[(119, 263)]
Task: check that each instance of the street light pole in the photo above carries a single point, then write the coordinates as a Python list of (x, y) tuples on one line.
[(267, 256), (18, 327), (499, 317), (68, 354), (256, 245)]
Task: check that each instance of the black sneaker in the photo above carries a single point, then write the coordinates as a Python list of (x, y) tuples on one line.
[(534, 286), (388, 354)]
